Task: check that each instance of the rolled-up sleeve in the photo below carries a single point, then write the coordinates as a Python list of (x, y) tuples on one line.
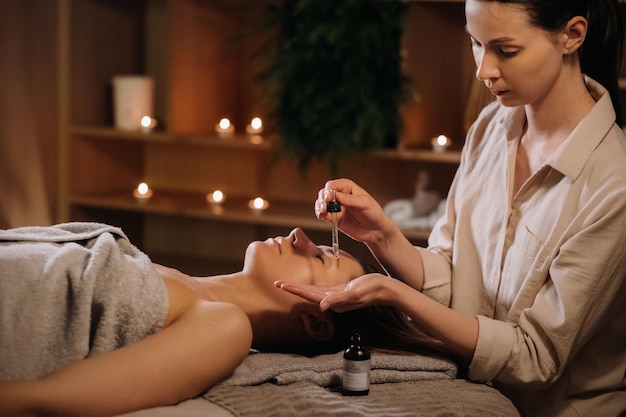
[(493, 348)]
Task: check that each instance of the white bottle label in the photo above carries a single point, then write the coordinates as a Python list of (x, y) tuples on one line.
[(356, 375)]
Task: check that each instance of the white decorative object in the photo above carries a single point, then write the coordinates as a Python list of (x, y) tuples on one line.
[(421, 211), (133, 98)]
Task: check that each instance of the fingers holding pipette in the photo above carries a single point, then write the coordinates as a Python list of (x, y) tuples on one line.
[(361, 217)]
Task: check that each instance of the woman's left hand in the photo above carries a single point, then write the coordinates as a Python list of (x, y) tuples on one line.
[(366, 290)]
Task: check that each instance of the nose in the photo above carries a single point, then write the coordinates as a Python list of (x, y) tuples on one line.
[(486, 67), (301, 241)]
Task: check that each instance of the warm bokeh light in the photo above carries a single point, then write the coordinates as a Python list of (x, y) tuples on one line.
[(258, 204), (224, 123), (143, 188), (142, 192), (256, 123), (216, 197), (146, 122)]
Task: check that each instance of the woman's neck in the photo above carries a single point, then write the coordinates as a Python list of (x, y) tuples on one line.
[(549, 122), (553, 118), (269, 309)]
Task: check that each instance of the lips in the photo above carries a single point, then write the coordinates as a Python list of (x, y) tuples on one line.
[(280, 240), (497, 92)]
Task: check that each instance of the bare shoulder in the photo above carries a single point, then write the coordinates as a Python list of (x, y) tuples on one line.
[(181, 289)]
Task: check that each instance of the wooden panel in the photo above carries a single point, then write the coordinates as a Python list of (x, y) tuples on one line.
[(107, 40), (438, 58), (194, 238), (204, 69), (27, 112), (385, 179), (104, 166), (203, 169)]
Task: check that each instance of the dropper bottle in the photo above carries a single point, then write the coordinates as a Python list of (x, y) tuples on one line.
[(356, 368)]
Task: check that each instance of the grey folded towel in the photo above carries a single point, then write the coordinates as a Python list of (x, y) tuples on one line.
[(70, 291), (325, 370), (439, 398)]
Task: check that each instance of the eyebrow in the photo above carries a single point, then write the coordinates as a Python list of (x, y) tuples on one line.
[(496, 41)]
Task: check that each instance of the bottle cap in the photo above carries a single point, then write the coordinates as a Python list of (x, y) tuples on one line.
[(333, 207)]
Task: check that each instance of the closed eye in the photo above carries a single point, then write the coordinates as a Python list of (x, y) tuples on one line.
[(320, 257), (507, 53)]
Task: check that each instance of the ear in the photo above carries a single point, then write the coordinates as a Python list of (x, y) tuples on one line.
[(574, 34), (317, 325)]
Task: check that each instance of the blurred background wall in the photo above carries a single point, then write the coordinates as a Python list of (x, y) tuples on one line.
[(28, 111)]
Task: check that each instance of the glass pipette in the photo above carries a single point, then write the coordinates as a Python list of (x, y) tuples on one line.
[(334, 207)]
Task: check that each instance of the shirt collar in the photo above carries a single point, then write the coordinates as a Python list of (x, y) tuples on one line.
[(572, 155)]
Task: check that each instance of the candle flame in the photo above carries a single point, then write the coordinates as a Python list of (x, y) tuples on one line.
[(218, 196), (258, 203), (256, 123), (143, 188), (224, 123)]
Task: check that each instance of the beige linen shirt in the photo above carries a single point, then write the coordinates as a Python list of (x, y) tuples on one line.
[(544, 271)]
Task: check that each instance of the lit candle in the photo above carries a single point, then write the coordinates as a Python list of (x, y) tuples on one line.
[(255, 127), (215, 197), (441, 143), (147, 124), (224, 128), (142, 192), (258, 204), (215, 200)]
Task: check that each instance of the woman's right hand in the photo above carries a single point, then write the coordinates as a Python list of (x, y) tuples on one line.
[(363, 291), (361, 217)]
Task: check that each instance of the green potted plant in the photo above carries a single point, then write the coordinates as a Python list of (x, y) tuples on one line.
[(335, 77)]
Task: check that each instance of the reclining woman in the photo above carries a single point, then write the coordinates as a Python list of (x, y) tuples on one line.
[(86, 317)]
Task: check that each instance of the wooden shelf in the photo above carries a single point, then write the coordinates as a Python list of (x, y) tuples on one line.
[(234, 210), (422, 154), (210, 77), (109, 133), (184, 203), (241, 141)]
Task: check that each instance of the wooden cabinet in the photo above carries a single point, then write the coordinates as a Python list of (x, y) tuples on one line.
[(202, 75)]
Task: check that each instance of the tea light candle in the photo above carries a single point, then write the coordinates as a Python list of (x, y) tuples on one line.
[(441, 143), (142, 192), (255, 127), (147, 124), (258, 204), (216, 197), (224, 128)]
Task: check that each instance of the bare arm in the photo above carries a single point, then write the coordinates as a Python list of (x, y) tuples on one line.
[(399, 257), (202, 346)]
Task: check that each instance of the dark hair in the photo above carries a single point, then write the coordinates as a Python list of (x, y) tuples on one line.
[(382, 327), (601, 53)]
